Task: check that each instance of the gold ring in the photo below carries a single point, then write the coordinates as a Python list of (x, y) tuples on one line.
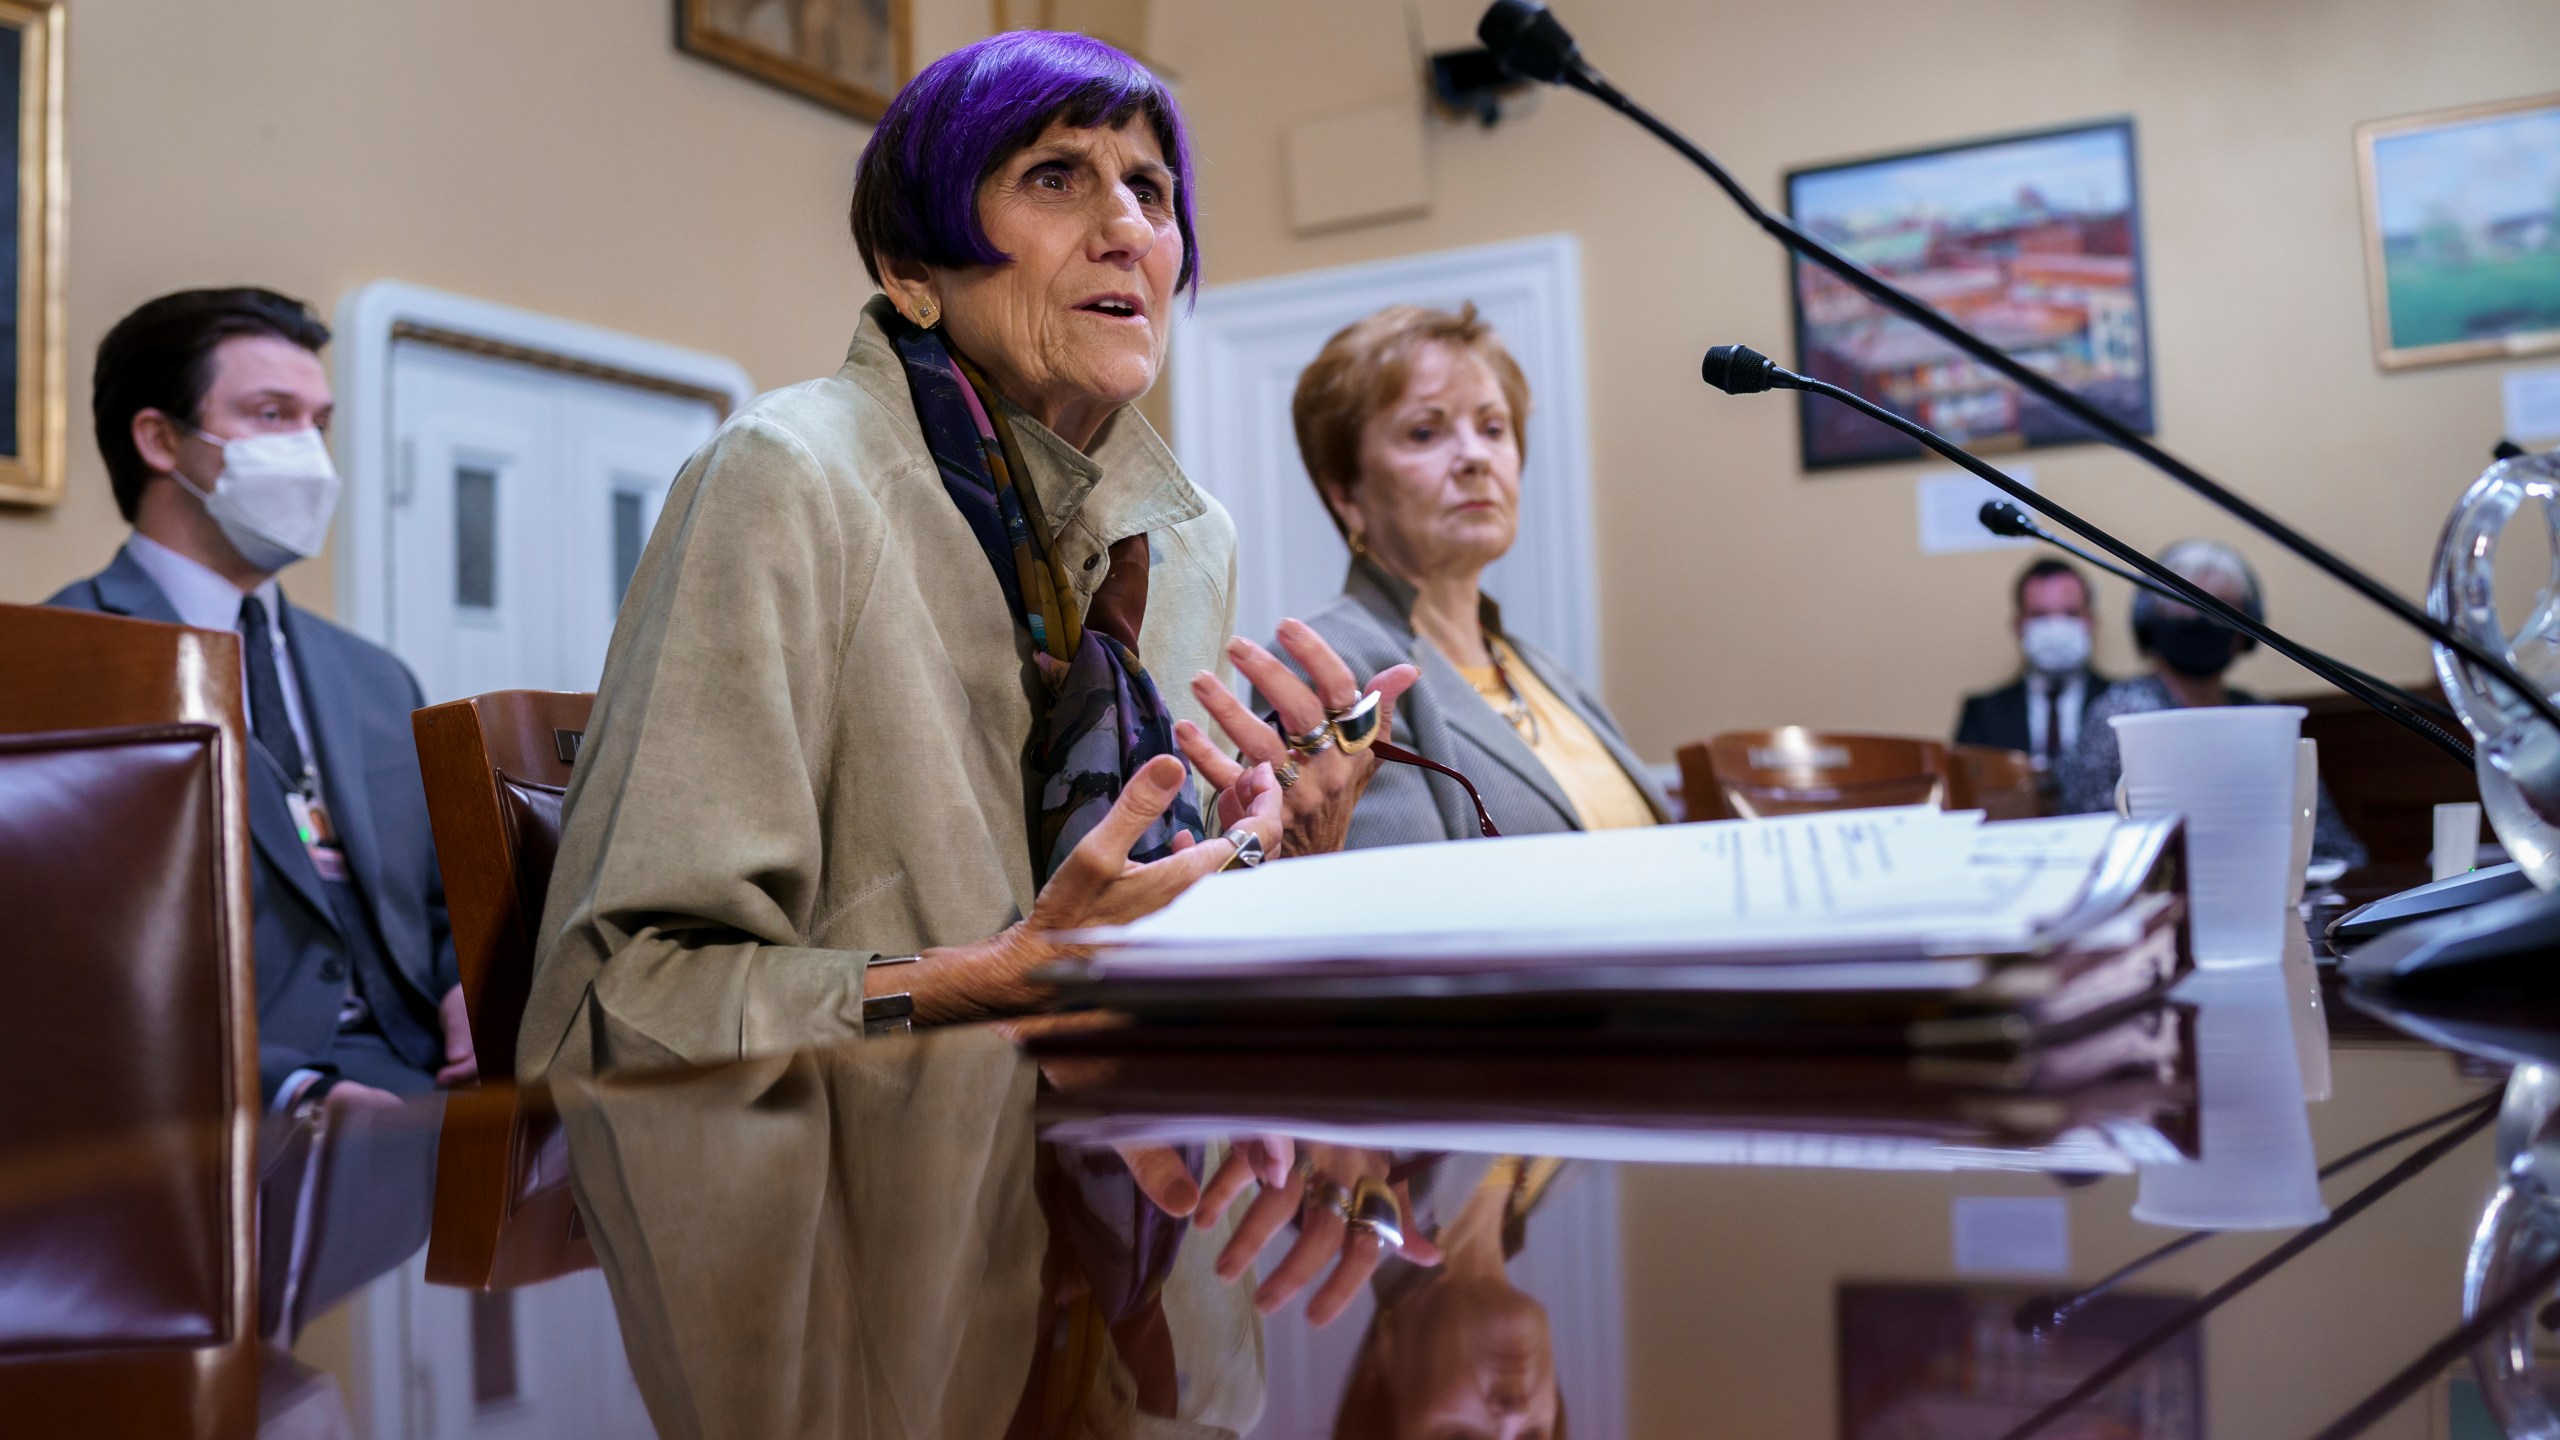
[(1313, 742), (1286, 772), (1374, 1208), (1356, 729)]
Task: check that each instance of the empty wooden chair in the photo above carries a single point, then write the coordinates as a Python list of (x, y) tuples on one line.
[(496, 767), (1793, 771), (128, 1046), (2003, 784)]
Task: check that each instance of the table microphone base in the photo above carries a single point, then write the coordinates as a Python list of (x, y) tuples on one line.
[(2508, 943), (2460, 892)]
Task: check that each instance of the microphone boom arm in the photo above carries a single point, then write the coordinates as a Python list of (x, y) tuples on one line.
[(1571, 69), (2187, 591), (2031, 530)]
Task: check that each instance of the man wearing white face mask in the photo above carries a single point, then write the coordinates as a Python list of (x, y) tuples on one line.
[(2040, 711), (209, 407)]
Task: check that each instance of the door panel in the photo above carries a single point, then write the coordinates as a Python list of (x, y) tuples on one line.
[(521, 495)]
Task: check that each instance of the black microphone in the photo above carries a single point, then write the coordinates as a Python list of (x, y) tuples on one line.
[(1527, 38), (1528, 42), (2002, 518), (1740, 370)]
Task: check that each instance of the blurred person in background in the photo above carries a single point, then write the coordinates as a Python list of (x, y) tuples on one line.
[(2044, 711), (2189, 652), (210, 408)]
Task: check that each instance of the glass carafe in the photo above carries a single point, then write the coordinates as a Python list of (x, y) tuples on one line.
[(2519, 752)]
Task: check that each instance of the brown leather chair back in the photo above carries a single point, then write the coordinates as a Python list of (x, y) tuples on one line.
[(496, 767), (2003, 784), (1792, 771), (128, 1046)]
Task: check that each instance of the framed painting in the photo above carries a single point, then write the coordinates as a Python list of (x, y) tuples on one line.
[(1949, 1362), (31, 425), (848, 55), (2033, 242), (2462, 232)]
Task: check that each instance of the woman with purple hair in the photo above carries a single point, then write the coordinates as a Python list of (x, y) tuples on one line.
[(881, 712)]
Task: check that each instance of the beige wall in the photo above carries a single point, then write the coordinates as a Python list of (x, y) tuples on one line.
[(558, 156), (563, 157), (1737, 591)]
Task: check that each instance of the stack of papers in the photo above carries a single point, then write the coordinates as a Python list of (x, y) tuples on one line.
[(1900, 898)]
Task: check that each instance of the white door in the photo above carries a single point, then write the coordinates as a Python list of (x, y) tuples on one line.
[(519, 501), (1236, 360), (541, 1363)]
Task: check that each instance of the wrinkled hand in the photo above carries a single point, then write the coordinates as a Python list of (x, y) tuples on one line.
[(462, 1064), (1323, 1236), (1164, 1179), (1097, 885), (1318, 806)]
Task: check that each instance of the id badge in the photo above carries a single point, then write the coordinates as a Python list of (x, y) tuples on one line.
[(319, 841)]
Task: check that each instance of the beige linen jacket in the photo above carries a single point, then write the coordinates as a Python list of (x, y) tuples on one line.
[(807, 747)]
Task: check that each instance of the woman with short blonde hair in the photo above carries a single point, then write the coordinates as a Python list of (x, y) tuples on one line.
[(1413, 425)]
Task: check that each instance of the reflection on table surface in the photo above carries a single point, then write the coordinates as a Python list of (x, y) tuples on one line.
[(948, 1234)]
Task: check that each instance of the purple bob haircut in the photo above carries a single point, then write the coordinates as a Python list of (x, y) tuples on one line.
[(915, 194)]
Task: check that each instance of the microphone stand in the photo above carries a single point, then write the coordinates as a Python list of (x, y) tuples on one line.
[(2002, 518), (1739, 370), (1529, 42)]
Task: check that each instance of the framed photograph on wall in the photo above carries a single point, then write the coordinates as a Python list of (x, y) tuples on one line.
[(2462, 232), (31, 425), (1949, 1362), (848, 55), (2033, 242)]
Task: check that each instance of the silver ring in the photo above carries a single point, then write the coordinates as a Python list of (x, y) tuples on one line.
[(1248, 849), (1324, 1194), (1314, 742)]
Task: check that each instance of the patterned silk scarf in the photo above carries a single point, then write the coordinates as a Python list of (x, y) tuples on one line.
[(1105, 717)]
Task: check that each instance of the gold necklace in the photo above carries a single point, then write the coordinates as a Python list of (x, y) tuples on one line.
[(1516, 706)]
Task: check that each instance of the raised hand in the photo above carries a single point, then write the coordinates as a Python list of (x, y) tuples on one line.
[(1098, 885), (1323, 787)]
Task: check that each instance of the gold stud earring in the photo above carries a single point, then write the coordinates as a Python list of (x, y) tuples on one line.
[(927, 312), (1358, 545)]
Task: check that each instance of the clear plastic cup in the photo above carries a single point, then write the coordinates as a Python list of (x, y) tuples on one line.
[(2230, 770), (2258, 1171)]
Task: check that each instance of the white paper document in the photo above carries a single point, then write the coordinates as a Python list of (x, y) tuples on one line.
[(1865, 884)]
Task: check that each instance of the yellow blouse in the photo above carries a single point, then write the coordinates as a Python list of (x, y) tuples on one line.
[(1583, 768)]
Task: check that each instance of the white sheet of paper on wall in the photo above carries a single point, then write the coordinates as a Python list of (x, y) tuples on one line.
[(1950, 504), (2012, 1235), (2532, 403)]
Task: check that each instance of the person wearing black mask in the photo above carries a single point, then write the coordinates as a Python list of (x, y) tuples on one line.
[(2189, 653)]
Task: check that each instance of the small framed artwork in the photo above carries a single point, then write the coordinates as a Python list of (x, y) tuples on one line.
[(1120, 23), (2033, 242), (2462, 232), (32, 423), (848, 55), (1951, 1362)]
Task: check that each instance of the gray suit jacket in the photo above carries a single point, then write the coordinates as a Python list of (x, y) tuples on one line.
[(356, 697), (1443, 718)]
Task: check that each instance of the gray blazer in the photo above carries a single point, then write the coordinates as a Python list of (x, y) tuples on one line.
[(1443, 718), (357, 697)]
